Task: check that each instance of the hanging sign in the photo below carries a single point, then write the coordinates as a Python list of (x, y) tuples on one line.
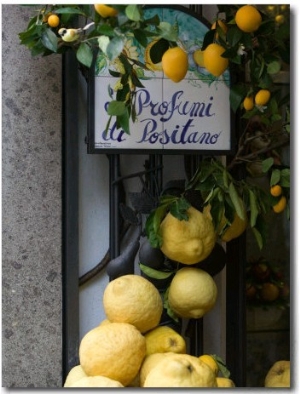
[(192, 115)]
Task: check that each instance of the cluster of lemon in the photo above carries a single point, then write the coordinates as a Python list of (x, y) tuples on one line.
[(276, 191), (131, 349)]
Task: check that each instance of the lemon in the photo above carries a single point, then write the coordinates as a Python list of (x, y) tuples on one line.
[(113, 350), (180, 370), (213, 60), (105, 10), (248, 103), (276, 190), (96, 381), (164, 339), (198, 56), (280, 206), (235, 229), (53, 20), (187, 241), (248, 18), (148, 60), (133, 299), (74, 375), (175, 63), (149, 363), (224, 382), (192, 293), (211, 362), (262, 97)]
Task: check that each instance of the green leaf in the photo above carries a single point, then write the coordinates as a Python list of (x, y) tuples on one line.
[(155, 274), (275, 177), (253, 208), (152, 225), (222, 365), (69, 10), (49, 40), (258, 237), (140, 36), (285, 177), (179, 207), (168, 31), (132, 12), (115, 47), (236, 200), (267, 164), (236, 96), (234, 35), (103, 42), (208, 39), (116, 108), (84, 54), (273, 67), (123, 121)]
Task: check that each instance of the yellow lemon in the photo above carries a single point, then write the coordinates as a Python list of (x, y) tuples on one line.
[(199, 58), (211, 362), (192, 293), (224, 382), (113, 350), (276, 190), (180, 370), (96, 381), (235, 229), (75, 374), (248, 103), (187, 241), (105, 10), (248, 18), (164, 339), (149, 363), (148, 60), (280, 206), (213, 60), (175, 63), (133, 299), (262, 97)]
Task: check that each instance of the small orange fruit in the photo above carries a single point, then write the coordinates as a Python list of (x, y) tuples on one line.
[(269, 291), (175, 63), (248, 18), (280, 206), (262, 97), (276, 190), (213, 60), (248, 103), (105, 10), (53, 20)]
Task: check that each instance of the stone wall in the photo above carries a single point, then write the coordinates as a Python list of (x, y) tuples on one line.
[(31, 211)]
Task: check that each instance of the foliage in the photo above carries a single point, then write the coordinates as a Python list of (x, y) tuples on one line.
[(256, 60)]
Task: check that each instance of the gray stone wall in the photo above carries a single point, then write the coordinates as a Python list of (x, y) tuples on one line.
[(31, 211)]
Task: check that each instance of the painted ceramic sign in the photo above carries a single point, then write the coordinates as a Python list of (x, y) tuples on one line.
[(192, 115)]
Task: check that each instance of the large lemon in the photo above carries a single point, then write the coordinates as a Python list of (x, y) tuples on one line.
[(164, 339), (187, 241), (113, 350), (133, 299), (192, 293), (180, 370), (149, 363), (96, 381), (74, 375), (175, 63), (248, 18), (213, 60)]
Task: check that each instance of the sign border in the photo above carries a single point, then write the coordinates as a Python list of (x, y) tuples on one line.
[(90, 138)]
